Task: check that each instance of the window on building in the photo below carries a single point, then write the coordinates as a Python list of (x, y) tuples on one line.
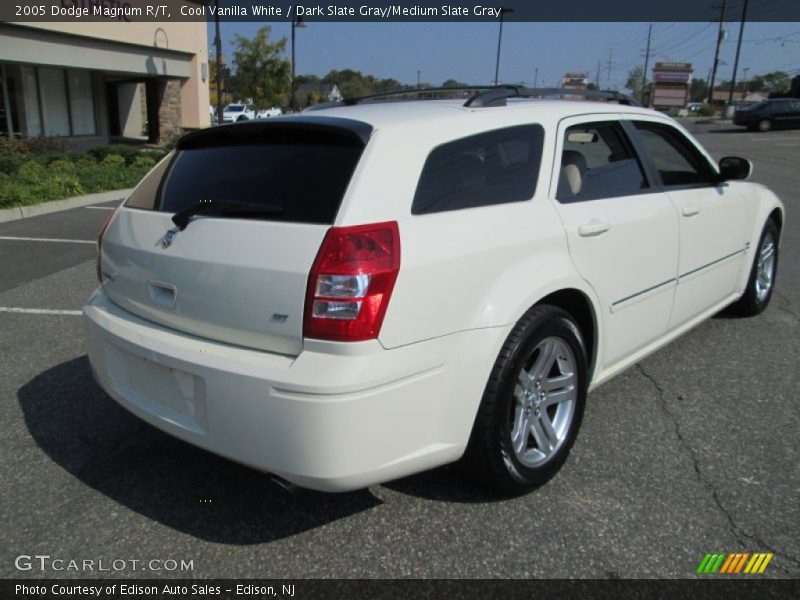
[(81, 102), (55, 109), (47, 101)]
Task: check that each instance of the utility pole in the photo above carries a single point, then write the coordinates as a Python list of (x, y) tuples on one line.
[(418, 78), (503, 11), (597, 78), (720, 36), (536, 77), (610, 62), (746, 69), (646, 60), (738, 50), (218, 45)]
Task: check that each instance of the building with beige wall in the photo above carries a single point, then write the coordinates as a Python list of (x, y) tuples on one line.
[(93, 82)]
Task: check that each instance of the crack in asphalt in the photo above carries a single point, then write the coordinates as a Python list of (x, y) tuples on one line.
[(739, 534)]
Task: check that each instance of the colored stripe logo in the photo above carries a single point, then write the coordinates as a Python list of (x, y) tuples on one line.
[(734, 563)]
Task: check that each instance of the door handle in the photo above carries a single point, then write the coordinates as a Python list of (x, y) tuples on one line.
[(690, 211), (593, 228)]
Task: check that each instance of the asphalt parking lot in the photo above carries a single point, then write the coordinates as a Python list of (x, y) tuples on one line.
[(694, 450)]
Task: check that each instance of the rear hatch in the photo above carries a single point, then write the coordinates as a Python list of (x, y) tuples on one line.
[(234, 278)]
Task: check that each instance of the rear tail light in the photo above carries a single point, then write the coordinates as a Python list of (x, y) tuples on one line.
[(100, 233), (351, 282)]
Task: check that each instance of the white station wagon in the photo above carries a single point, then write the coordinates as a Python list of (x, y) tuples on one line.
[(400, 285)]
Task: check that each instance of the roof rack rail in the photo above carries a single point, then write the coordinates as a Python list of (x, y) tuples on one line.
[(482, 95), (497, 96), (423, 93)]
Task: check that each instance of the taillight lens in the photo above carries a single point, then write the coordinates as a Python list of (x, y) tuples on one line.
[(100, 233), (351, 282)]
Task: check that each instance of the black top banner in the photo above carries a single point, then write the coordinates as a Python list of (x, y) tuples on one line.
[(389, 10)]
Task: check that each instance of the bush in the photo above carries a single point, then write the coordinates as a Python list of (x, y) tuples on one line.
[(45, 145), (144, 162), (31, 172), (10, 146), (9, 165), (128, 153), (113, 160), (62, 167), (706, 110)]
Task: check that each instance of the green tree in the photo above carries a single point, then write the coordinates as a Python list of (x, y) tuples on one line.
[(771, 83), (225, 81), (262, 71), (635, 82), (454, 83), (698, 90)]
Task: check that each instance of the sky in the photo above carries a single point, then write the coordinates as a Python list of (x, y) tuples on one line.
[(467, 51)]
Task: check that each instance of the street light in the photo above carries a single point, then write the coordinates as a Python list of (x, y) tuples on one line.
[(418, 78), (503, 11), (536, 77), (297, 22), (744, 84)]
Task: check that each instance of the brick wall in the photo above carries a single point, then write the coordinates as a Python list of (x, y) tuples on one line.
[(169, 111)]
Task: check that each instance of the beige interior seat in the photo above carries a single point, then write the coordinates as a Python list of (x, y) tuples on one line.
[(573, 166)]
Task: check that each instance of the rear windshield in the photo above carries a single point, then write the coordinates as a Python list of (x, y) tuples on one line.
[(305, 172), (234, 108)]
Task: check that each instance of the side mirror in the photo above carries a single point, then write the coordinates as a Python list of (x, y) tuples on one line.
[(734, 167)]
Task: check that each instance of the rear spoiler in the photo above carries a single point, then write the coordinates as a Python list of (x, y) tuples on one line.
[(246, 131)]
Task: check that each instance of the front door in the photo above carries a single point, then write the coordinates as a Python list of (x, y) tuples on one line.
[(712, 220), (621, 230)]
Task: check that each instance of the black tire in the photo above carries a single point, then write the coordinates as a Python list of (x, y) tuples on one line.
[(764, 125), (752, 303), (490, 455)]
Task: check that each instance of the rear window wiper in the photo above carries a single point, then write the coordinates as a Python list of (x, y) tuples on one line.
[(222, 207)]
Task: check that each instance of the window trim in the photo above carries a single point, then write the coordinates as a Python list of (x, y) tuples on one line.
[(630, 123), (653, 182)]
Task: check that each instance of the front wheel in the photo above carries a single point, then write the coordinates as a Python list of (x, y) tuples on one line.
[(532, 405), (761, 282)]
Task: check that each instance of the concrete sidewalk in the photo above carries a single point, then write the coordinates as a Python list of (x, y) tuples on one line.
[(23, 212)]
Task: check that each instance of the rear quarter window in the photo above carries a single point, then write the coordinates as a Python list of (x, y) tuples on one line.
[(494, 167)]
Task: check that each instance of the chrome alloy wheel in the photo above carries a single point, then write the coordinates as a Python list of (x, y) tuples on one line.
[(765, 267), (545, 395)]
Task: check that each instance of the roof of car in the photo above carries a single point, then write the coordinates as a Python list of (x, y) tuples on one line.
[(388, 114)]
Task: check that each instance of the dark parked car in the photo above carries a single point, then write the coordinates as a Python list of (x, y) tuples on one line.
[(779, 112)]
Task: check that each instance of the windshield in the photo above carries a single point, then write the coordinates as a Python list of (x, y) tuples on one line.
[(234, 108)]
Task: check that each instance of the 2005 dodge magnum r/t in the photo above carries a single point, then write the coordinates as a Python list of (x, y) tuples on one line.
[(363, 292)]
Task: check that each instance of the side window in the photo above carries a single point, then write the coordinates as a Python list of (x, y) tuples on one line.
[(677, 160), (495, 167), (597, 161)]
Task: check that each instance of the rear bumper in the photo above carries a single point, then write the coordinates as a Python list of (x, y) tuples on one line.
[(335, 418)]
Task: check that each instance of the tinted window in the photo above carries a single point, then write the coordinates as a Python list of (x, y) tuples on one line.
[(676, 159), (495, 167), (598, 162), (305, 172)]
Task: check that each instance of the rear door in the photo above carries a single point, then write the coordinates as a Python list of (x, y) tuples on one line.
[(713, 232), (237, 279), (622, 232)]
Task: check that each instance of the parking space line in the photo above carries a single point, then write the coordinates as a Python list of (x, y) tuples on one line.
[(101, 207), (773, 139), (38, 311), (12, 238)]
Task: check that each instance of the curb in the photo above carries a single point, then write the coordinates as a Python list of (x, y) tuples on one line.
[(23, 212)]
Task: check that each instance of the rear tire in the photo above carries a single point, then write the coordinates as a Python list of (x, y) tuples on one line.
[(761, 282), (764, 125), (532, 405)]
